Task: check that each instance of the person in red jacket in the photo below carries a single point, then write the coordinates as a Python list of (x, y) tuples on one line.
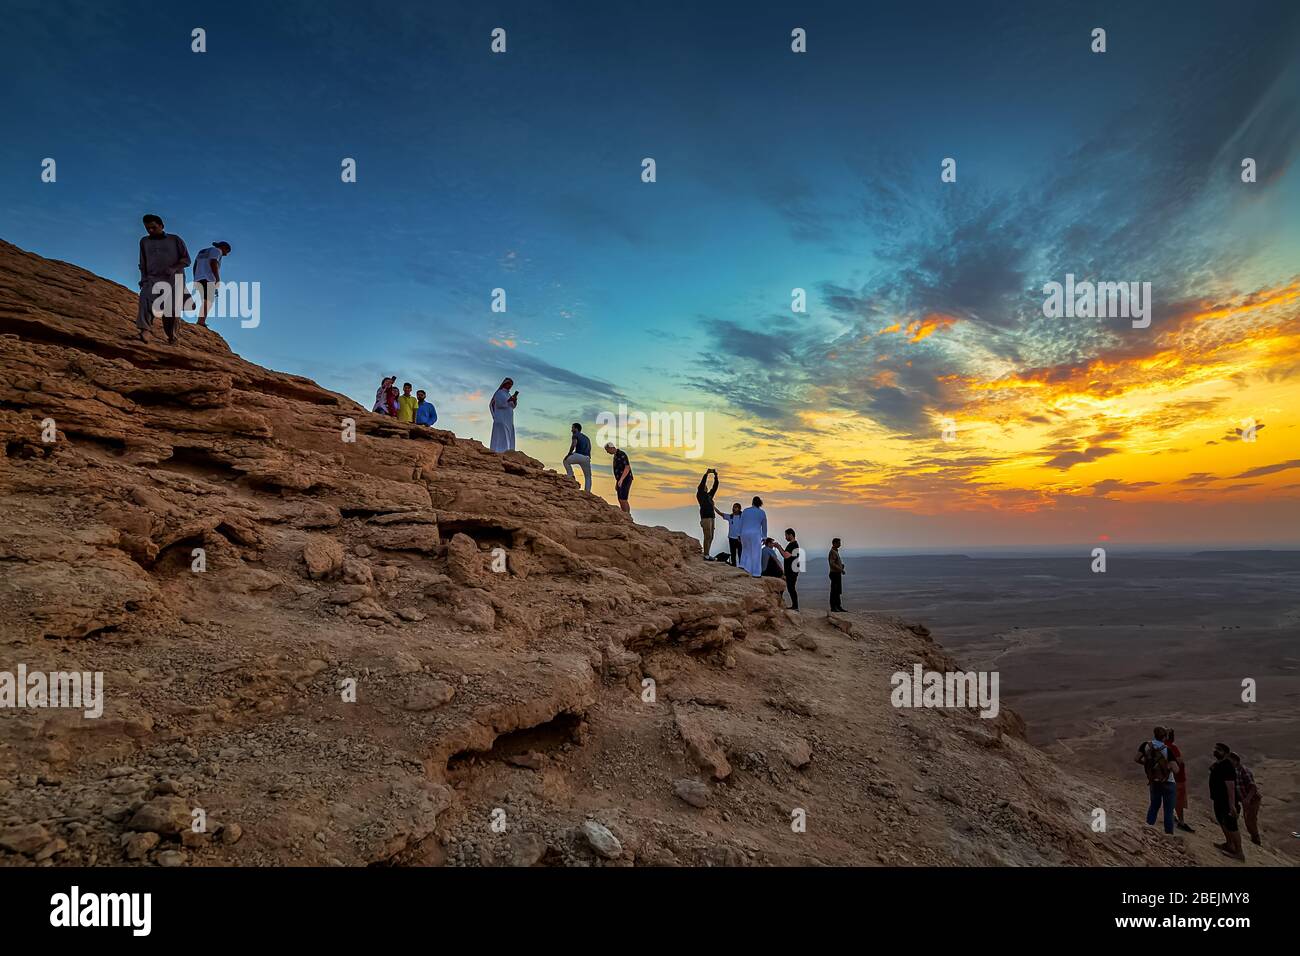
[(1180, 778)]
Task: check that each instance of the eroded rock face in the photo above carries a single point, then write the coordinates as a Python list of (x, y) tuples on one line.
[(211, 512), (317, 643)]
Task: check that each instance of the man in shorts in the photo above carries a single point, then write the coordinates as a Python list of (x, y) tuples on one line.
[(207, 276), (622, 476)]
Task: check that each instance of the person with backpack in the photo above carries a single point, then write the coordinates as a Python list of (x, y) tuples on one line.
[(1180, 782), (1160, 770)]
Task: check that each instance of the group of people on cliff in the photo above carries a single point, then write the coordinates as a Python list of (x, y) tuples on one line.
[(751, 548), (405, 407), (1234, 795), (164, 258)]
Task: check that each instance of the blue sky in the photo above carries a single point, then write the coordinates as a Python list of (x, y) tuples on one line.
[(775, 171)]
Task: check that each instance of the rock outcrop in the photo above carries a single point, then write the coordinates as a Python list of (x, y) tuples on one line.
[(329, 637)]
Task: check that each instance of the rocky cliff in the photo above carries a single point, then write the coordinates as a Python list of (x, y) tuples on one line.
[(333, 638)]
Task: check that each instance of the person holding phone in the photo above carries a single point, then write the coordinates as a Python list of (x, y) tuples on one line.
[(502, 408), (704, 496)]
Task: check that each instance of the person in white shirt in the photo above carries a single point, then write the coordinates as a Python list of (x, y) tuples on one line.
[(207, 276), (733, 532)]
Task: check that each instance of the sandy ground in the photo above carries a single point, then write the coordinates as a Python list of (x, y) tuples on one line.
[(1169, 642)]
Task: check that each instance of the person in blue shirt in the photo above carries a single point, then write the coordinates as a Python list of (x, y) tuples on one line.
[(580, 455), (425, 413)]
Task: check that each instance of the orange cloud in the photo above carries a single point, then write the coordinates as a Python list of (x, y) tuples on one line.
[(920, 329)]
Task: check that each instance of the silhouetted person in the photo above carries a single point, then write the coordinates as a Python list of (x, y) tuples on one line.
[(1250, 798), (1180, 782), (1226, 801), (837, 575), (163, 258), (705, 499), (622, 476), (793, 564)]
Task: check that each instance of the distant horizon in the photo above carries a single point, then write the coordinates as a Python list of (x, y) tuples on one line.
[(1060, 552)]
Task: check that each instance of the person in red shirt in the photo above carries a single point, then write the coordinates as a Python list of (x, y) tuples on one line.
[(1180, 779)]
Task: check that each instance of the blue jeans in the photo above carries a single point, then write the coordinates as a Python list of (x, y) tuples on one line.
[(1163, 793)]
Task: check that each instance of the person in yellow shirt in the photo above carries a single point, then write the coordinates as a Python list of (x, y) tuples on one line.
[(407, 404)]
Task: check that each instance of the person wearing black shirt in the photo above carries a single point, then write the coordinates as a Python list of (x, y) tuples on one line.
[(622, 476), (793, 565), (1223, 794), (837, 575), (705, 499)]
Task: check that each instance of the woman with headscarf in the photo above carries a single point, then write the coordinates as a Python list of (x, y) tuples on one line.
[(381, 396), (502, 407), (753, 529)]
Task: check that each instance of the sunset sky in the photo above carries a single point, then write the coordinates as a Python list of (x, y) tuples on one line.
[(775, 171)]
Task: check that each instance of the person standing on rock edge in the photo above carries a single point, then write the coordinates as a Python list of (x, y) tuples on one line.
[(580, 455), (837, 576), (1250, 798), (502, 407), (163, 258), (1180, 782), (1224, 796), (753, 529), (705, 499), (407, 404), (622, 476), (425, 413), (381, 395), (793, 563), (733, 532), (207, 276)]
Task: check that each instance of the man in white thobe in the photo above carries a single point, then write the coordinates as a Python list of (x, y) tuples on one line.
[(753, 529), (502, 407)]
